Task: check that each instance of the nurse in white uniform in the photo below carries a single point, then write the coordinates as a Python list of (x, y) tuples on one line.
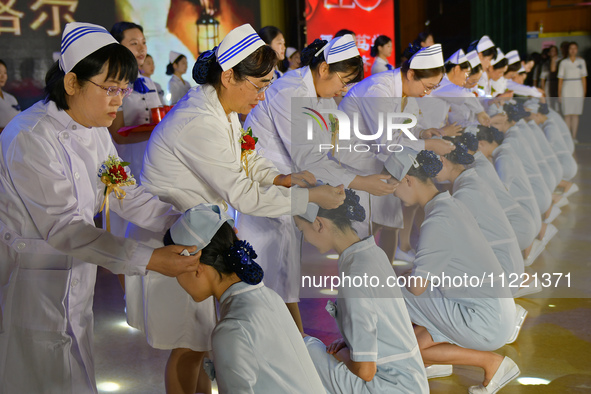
[(487, 51), (50, 190), (455, 325), (195, 156), (464, 108), (329, 66), (378, 351), (394, 92), (381, 50), (137, 107), (257, 348), (177, 86), (9, 107), (572, 87)]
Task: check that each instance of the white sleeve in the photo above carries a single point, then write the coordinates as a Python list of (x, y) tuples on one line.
[(561, 70), (50, 198), (305, 154), (213, 160)]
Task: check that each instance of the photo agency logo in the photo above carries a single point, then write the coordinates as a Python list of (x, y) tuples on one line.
[(337, 122)]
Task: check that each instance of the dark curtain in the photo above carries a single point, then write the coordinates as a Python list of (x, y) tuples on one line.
[(504, 21)]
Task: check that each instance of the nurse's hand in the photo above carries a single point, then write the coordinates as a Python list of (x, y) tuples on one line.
[(439, 146), (483, 119), (168, 260), (327, 197), (336, 346), (452, 130), (301, 179), (376, 184)]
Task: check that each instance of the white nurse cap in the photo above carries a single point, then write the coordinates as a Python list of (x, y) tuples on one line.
[(80, 40), (399, 163), (339, 49), (472, 129), (473, 58), (237, 45), (198, 225), (311, 212), (484, 43), (290, 51), (172, 56), (512, 57), (426, 58), (500, 56), (457, 58), (56, 56)]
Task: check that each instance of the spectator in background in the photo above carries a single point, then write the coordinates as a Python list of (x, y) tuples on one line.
[(381, 50), (342, 32), (9, 107), (549, 76), (292, 59), (177, 86), (572, 87), (425, 39), (273, 37), (147, 70)]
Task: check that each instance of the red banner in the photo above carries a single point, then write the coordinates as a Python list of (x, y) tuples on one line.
[(367, 18)]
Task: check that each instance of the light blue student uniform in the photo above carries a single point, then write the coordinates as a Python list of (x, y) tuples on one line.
[(520, 145), (546, 159), (567, 161), (480, 318), (521, 221), (547, 151), (257, 347), (376, 327), (564, 130), (484, 206), (514, 178)]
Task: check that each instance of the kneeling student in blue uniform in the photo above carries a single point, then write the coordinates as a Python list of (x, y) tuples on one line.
[(378, 352), (257, 347)]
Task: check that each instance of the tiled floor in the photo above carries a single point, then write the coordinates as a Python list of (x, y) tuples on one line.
[(553, 350)]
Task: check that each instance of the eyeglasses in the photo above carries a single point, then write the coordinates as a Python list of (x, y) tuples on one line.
[(114, 90), (260, 90), (427, 89), (343, 82)]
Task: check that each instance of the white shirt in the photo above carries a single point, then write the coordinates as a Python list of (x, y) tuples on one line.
[(9, 108), (523, 90), (50, 192), (380, 65), (572, 71), (194, 157), (177, 89)]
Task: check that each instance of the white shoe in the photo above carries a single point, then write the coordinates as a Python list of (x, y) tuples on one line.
[(439, 371), (553, 214), (562, 202), (405, 256), (519, 319), (573, 189), (532, 287), (537, 249), (507, 371), (551, 231)]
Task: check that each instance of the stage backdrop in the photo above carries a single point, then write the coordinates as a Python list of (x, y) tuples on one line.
[(30, 32), (367, 18)]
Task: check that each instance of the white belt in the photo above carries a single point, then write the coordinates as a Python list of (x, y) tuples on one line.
[(25, 245)]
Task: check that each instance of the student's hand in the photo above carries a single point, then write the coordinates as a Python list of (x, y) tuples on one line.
[(452, 130), (483, 119), (337, 345), (327, 197), (429, 133), (375, 184), (168, 260), (440, 147)]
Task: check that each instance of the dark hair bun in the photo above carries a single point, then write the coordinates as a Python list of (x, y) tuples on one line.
[(203, 65), (241, 258), (469, 140), (412, 49), (429, 162), (354, 210), (460, 155), (498, 137), (309, 52)]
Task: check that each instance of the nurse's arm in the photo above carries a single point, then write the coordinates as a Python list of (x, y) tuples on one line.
[(366, 370), (584, 80), (416, 284)]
